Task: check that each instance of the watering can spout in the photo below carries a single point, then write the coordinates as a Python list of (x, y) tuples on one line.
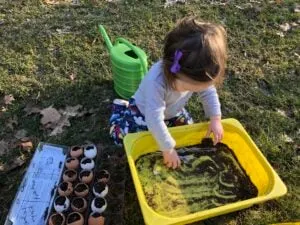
[(105, 36)]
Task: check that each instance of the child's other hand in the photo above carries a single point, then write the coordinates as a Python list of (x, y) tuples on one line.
[(171, 158), (216, 128)]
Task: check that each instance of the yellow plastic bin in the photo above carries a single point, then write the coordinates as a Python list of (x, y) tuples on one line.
[(262, 175)]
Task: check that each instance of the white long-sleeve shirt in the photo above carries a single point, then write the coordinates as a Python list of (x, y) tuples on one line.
[(157, 102)]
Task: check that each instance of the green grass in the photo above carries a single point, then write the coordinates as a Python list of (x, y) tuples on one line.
[(262, 78)]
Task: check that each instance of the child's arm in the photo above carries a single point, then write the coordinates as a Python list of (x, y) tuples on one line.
[(154, 116), (215, 127), (212, 109)]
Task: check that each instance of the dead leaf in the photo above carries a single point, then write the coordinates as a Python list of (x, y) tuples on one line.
[(56, 2), (51, 2), (82, 113), (50, 115), (12, 164), (287, 138), (30, 109), (75, 2), (281, 112), (27, 146), (65, 30), (3, 147), (3, 109), (71, 110), (12, 122), (21, 134), (72, 76), (297, 8), (8, 99), (279, 33), (285, 27), (173, 2), (58, 129)]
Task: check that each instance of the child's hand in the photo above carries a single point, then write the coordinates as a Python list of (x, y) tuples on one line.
[(216, 128), (171, 158)]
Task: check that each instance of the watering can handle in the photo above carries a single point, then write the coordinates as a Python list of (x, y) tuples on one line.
[(133, 48)]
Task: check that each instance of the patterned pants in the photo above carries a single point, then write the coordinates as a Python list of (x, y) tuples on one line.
[(129, 119)]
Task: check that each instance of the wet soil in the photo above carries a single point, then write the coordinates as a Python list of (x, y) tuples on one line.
[(210, 176), (78, 203), (99, 202), (57, 219), (73, 218), (81, 188)]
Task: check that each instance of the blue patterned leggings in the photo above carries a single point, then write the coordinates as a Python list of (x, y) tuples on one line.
[(129, 119)]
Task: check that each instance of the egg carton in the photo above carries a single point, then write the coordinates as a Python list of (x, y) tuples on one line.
[(79, 198)]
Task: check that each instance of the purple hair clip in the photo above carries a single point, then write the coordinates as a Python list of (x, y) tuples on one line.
[(175, 68)]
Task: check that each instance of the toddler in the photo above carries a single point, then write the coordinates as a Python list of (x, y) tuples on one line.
[(194, 58)]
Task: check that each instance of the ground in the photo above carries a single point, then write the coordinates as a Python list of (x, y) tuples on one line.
[(53, 55)]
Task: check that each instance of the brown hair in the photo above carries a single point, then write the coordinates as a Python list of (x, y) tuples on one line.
[(204, 51)]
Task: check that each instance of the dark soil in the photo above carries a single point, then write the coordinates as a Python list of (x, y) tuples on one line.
[(63, 186), (217, 168), (117, 177), (119, 167), (57, 219), (103, 174), (85, 173), (78, 203), (76, 148), (70, 160), (99, 202), (96, 215), (105, 165), (86, 161), (115, 206), (60, 200), (81, 188), (89, 147), (99, 187), (70, 173), (74, 217)]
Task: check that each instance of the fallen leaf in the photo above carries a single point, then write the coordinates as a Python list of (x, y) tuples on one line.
[(71, 110), (30, 109), (173, 2), (297, 8), (12, 164), (285, 27), (12, 122), (50, 115), (8, 99), (82, 113), (58, 129), (75, 2), (3, 109), (287, 139), (72, 76), (279, 33), (21, 134), (65, 30), (281, 112), (27, 146), (3, 147)]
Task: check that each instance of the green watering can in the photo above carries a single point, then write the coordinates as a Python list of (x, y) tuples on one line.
[(129, 65)]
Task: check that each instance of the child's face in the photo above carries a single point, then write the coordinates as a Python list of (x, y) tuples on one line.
[(184, 83)]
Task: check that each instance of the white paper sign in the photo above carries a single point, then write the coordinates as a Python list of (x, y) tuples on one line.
[(34, 197)]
